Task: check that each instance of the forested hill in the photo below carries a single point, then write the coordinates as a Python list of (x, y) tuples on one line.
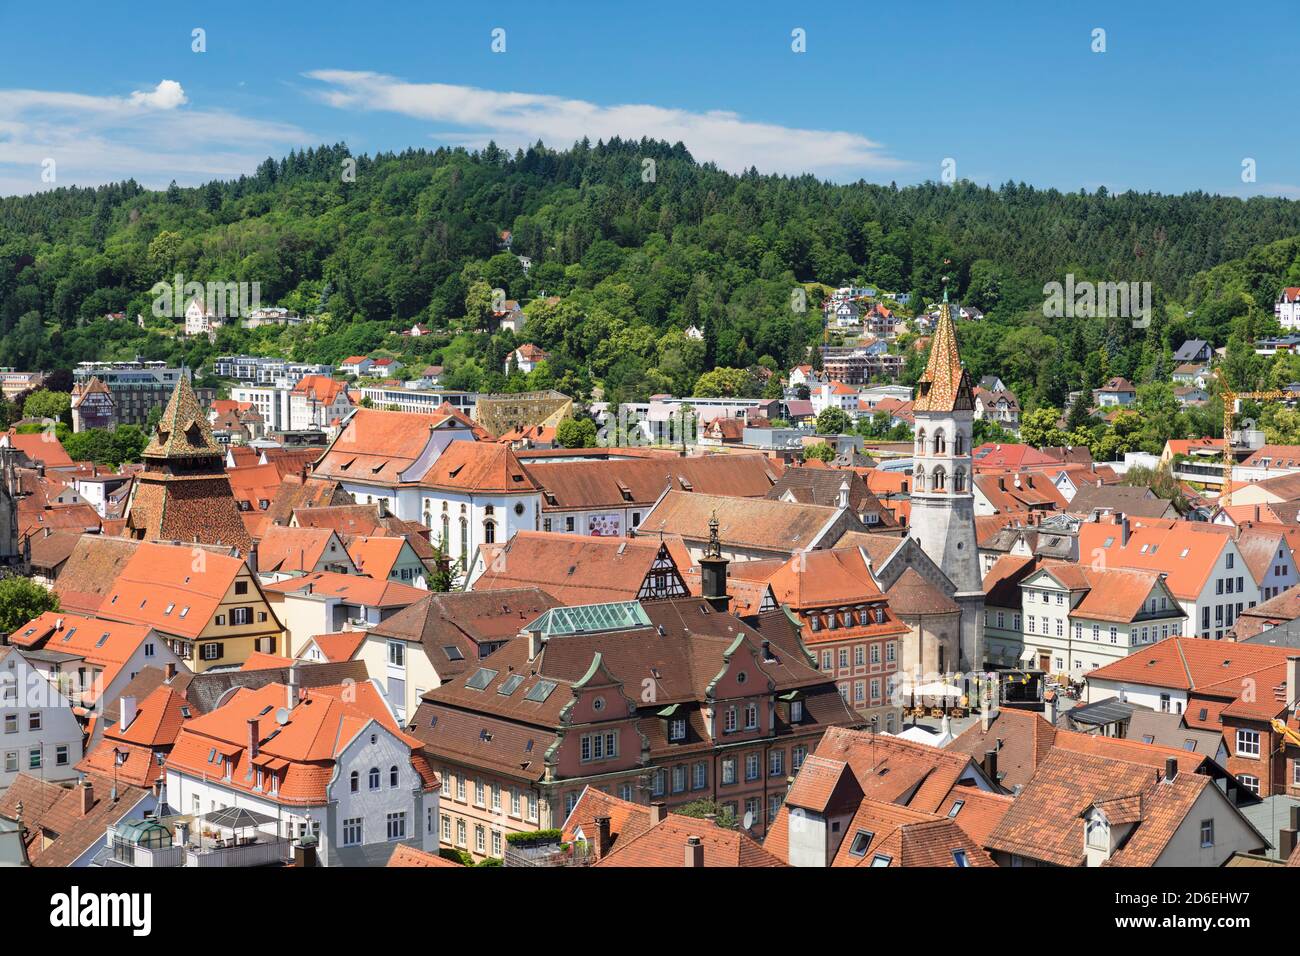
[(634, 250)]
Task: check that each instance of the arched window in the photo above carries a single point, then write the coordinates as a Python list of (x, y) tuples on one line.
[(355, 780), (920, 441), (464, 542), (446, 533), (918, 478), (489, 532), (959, 481), (937, 480), (940, 443), (392, 775), (374, 778), (959, 444)]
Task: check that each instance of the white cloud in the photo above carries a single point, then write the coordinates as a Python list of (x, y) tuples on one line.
[(152, 136), (518, 119), (167, 95)]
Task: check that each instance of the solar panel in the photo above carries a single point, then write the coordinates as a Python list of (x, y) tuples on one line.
[(540, 691), (482, 677)]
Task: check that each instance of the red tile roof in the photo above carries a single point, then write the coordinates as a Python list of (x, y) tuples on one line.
[(351, 588), (1191, 663), (578, 569), (105, 644), (303, 751), (404, 855), (174, 588)]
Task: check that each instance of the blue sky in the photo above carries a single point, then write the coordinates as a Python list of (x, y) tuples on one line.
[(1183, 93)]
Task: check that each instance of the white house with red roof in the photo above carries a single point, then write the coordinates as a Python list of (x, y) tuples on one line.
[(316, 401), (526, 358), (1204, 569), (428, 468), (39, 733), (1287, 308), (330, 761), (91, 659), (356, 365), (834, 395)]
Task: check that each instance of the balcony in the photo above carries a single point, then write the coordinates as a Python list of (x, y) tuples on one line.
[(261, 849)]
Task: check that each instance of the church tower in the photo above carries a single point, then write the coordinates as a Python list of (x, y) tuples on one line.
[(943, 505), (184, 493)]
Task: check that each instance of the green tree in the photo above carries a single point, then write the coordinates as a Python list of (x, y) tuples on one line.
[(833, 421), (704, 808), (725, 383), (576, 433), (819, 452), (22, 599), (46, 404), (1039, 428), (1080, 415)]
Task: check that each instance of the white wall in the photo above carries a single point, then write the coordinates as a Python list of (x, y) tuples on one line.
[(25, 692)]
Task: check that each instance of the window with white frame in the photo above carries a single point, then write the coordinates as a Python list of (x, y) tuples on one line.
[(352, 829), (728, 770), (1247, 743)]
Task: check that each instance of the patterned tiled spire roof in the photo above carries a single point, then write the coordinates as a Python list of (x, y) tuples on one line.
[(945, 385), (183, 430)]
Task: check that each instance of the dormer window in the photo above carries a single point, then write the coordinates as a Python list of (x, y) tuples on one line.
[(677, 729), (1098, 834), (796, 711)]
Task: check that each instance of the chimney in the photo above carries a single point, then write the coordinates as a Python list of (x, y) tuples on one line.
[(989, 700), (991, 765), (1049, 707), (1292, 681), (694, 852), (125, 713), (657, 812), (1286, 842), (1171, 769), (1122, 520), (844, 493), (253, 736), (534, 643), (87, 793), (600, 841), (291, 692)]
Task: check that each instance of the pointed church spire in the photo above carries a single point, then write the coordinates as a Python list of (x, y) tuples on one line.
[(183, 430), (945, 385)]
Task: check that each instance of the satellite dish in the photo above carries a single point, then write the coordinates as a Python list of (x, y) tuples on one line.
[(749, 819), (282, 716)]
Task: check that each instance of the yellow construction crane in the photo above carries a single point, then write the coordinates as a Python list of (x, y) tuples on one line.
[(1230, 400), (1287, 734)]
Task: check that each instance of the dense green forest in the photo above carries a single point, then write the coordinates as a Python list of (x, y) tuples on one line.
[(625, 255)]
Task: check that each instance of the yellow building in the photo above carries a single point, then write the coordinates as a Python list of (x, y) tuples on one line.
[(203, 600)]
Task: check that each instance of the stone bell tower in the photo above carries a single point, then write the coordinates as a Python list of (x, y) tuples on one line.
[(943, 505)]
